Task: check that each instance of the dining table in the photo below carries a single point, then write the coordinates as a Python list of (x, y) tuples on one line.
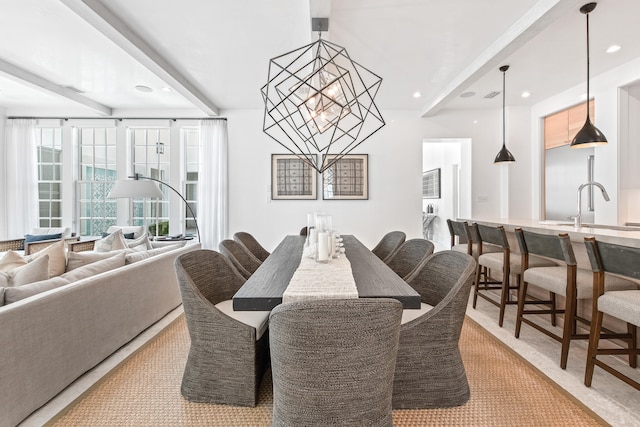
[(373, 278)]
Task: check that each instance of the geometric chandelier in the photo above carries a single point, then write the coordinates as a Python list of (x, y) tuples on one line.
[(318, 100)]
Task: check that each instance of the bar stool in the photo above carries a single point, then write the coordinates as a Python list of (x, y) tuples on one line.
[(498, 258), (621, 304), (567, 280)]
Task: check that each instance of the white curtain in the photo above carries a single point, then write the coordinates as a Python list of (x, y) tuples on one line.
[(213, 186), (18, 179)]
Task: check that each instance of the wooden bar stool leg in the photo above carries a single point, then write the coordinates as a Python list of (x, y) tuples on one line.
[(633, 344), (569, 323), (475, 292), (594, 341), (521, 299), (552, 298), (504, 297)]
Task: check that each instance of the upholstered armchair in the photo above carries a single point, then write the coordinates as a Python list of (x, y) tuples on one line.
[(429, 369)]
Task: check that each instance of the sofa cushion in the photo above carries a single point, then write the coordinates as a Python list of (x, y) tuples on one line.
[(1, 297), (16, 293), (34, 271), (141, 242), (112, 242), (11, 260), (79, 259), (57, 258), (139, 256), (94, 268), (65, 231)]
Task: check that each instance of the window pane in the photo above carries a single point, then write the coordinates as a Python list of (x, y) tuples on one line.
[(44, 210), (56, 209), (44, 191)]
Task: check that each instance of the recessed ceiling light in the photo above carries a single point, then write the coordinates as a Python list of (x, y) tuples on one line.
[(467, 94), (475, 121), (166, 89), (525, 94), (613, 48), (417, 94), (142, 88)]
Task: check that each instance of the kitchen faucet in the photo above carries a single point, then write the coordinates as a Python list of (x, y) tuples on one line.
[(577, 220)]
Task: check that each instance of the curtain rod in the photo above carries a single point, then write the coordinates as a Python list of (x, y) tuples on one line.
[(117, 118)]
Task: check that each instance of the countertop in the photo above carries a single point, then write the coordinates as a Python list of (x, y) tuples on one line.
[(627, 236)]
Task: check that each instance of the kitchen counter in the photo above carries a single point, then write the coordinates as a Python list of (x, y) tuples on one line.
[(620, 235)]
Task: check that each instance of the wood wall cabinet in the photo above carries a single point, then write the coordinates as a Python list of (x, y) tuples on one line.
[(560, 128)]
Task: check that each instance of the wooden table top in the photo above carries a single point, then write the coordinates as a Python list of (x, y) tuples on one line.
[(374, 279)]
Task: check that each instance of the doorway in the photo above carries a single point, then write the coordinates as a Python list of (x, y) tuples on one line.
[(452, 156)]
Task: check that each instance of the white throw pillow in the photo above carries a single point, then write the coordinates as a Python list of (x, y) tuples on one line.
[(11, 260), (79, 259), (16, 293), (35, 271), (57, 257), (112, 242), (139, 256), (142, 241), (94, 268)]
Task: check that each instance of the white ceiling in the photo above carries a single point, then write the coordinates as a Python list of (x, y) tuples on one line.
[(214, 54)]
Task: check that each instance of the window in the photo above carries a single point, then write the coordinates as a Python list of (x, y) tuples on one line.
[(191, 137), (49, 143), (97, 174), (150, 154)]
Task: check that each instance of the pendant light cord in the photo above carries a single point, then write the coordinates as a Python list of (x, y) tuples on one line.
[(504, 126), (588, 77)]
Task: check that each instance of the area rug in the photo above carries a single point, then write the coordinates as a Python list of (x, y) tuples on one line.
[(145, 390)]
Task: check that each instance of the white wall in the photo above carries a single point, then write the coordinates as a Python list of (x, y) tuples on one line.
[(395, 176)]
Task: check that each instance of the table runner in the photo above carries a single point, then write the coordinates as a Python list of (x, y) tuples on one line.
[(314, 280)]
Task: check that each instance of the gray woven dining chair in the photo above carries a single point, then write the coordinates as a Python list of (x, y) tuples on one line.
[(229, 351), (389, 244), (251, 244), (333, 360), (410, 255), (429, 369), (242, 259)]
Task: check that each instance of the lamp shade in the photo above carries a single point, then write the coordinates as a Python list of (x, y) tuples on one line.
[(128, 188), (504, 155)]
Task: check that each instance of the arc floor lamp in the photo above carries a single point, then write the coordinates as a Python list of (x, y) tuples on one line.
[(135, 186)]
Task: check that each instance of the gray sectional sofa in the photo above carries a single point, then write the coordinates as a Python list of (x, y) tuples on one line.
[(50, 339)]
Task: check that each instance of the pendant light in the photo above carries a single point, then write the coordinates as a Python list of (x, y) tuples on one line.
[(589, 135), (504, 155)]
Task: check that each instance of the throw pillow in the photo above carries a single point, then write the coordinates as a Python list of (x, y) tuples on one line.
[(94, 268), (57, 258), (16, 293), (112, 242), (139, 256), (142, 241), (126, 235), (34, 271), (76, 260), (28, 238), (137, 230), (11, 260)]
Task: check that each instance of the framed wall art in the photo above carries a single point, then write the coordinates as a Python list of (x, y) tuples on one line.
[(346, 179), (292, 178), (431, 184)]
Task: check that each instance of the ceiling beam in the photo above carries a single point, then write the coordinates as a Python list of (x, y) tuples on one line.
[(539, 17), (116, 30), (25, 76)]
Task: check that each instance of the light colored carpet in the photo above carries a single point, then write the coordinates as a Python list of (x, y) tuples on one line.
[(145, 390)]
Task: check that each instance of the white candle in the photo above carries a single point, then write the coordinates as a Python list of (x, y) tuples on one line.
[(313, 236), (323, 246)]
